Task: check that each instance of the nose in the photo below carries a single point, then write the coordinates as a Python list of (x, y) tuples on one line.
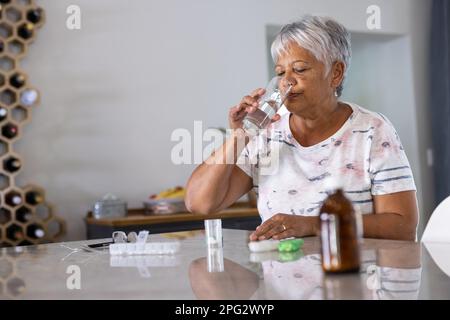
[(286, 82)]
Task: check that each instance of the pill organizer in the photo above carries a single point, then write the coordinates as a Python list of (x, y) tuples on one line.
[(145, 248)]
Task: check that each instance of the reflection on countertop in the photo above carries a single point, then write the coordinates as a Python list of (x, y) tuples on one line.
[(387, 273)]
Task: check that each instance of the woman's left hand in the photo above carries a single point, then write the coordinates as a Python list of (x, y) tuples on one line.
[(282, 226)]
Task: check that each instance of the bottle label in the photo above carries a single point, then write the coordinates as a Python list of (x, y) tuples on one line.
[(329, 226)]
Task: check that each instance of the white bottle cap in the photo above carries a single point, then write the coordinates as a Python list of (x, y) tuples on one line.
[(16, 200), (39, 233)]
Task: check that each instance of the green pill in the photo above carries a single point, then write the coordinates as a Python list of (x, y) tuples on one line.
[(290, 245)]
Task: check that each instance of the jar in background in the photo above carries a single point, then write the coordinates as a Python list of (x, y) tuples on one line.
[(109, 207)]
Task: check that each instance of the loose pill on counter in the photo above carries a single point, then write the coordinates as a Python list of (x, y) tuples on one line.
[(290, 245), (263, 245)]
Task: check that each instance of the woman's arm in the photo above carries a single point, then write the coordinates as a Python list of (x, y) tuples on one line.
[(395, 217), (218, 182)]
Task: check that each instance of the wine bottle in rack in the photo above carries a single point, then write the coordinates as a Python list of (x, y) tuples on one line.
[(5, 216), (13, 198), (14, 233), (35, 15), (25, 31), (24, 215), (12, 164), (17, 80), (5, 1), (3, 113), (10, 130), (28, 97), (34, 197), (35, 231)]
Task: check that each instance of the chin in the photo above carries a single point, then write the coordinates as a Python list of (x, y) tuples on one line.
[(295, 107)]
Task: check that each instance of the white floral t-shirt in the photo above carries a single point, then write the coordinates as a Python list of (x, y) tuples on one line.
[(365, 155)]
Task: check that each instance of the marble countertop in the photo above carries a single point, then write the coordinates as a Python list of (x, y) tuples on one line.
[(390, 270)]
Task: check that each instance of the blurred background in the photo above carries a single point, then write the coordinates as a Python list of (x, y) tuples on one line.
[(113, 92)]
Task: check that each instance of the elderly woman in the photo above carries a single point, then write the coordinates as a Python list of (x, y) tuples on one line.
[(319, 137)]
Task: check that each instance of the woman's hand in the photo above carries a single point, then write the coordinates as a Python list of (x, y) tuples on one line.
[(282, 226), (247, 105)]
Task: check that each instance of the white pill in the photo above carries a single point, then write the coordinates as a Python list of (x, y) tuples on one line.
[(263, 245)]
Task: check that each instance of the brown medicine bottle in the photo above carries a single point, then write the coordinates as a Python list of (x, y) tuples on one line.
[(339, 234)]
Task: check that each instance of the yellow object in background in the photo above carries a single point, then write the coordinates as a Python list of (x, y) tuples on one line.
[(171, 193)]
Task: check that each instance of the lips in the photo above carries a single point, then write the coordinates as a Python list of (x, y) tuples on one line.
[(293, 95)]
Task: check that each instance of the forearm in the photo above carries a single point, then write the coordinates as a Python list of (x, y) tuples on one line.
[(208, 184), (389, 226), (310, 226), (381, 225)]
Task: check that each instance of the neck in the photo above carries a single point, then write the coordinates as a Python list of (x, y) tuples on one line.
[(319, 119)]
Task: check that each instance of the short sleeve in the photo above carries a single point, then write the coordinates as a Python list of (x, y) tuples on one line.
[(389, 167)]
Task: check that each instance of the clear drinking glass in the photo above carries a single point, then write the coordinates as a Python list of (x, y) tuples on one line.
[(214, 244), (268, 105), (213, 232)]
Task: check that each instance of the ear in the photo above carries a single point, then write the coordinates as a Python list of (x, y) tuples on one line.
[(337, 73)]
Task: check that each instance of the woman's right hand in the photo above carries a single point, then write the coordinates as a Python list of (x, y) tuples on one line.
[(247, 105)]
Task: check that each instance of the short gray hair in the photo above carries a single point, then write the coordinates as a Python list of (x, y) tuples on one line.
[(325, 38)]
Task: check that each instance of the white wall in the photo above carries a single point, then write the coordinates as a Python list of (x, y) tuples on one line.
[(113, 92), (420, 25)]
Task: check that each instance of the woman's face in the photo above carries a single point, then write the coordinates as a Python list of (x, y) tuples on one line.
[(311, 87)]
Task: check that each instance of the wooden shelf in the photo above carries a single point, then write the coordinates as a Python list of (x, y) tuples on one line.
[(138, 216), (239, 216)]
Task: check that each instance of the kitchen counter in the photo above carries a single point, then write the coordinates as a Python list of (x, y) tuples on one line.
[(389, 270)]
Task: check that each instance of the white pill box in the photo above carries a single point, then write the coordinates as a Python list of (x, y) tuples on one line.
[(145, 248)]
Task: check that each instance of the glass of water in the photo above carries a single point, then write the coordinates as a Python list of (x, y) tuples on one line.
[(213, 233), (268, 106)]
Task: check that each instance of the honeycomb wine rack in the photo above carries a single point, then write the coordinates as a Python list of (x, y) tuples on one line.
[(25, 216)]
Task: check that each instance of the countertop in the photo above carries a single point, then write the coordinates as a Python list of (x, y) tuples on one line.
[(389, 270)]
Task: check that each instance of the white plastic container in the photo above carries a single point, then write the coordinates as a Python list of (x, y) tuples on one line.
[(144, 248)]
